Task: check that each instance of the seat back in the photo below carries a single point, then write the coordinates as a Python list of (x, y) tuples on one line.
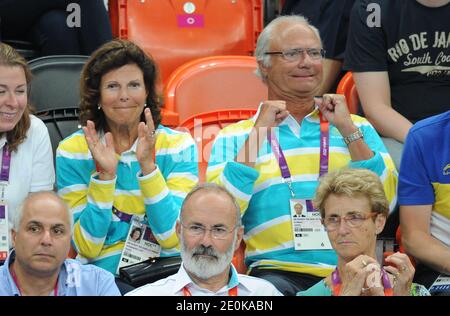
[(55, 93), (56, 82), (214, 83), (204, 128), (60, 124), (347, 87), (175, 32), (398, 238)]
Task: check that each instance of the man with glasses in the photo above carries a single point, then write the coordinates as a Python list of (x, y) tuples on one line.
[(209, 231), (271, 163), (331, 18)]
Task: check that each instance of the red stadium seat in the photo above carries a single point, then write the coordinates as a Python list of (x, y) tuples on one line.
[(204, 128), (347, 87), (214, 83), (175, 32), (398, 237)]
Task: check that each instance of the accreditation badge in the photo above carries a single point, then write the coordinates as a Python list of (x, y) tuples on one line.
[(307, 228), (140, 245), (4, 232)]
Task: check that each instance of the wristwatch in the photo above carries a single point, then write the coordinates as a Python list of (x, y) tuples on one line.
[(353, 136)]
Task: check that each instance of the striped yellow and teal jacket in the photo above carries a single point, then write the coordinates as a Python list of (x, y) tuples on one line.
[(264, 197), (99, 235)]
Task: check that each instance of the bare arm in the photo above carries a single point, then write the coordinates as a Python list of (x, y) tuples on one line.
[(415, 223), (374, 93)]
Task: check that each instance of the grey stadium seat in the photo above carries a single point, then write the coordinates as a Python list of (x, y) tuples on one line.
[(55, 93)]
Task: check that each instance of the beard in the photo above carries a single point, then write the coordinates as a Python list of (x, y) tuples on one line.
[(206, 262)]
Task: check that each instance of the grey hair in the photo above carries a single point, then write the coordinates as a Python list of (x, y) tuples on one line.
[(18, 214), (267, 35), (213, 187)]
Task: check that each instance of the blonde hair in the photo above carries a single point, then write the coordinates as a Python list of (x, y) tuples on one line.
[(352, 183), (9, 57)]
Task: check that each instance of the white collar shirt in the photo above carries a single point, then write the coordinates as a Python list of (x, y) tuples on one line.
[(174, 285), (31, 168)]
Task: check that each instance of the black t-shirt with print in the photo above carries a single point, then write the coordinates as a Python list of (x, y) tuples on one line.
[(411, 43)]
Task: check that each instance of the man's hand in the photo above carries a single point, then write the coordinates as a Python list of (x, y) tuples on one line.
[(271, 114), (335, 110)]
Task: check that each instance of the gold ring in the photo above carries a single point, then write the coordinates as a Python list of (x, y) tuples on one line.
[(364, 263)]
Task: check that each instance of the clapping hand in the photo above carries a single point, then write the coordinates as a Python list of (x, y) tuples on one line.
[(145, 149), (104, 154)]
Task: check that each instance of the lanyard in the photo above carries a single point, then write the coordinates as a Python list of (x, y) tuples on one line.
[(324, 153), (231, 292), (336, 280), (13, 274), (124, 217), (4, 172)]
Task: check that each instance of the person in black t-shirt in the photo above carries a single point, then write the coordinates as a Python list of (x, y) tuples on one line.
[(45, 24), (399, 52)]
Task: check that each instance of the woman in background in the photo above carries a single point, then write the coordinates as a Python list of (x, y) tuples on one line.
[(26, 153)]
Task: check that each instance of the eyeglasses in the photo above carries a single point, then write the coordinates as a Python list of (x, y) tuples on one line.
[(353, 220), (295, 53), (216, 232)]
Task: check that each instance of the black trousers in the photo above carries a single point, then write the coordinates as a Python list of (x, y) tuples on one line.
[(288, 283), (44, 22)]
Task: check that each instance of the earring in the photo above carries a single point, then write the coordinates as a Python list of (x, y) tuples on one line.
[(145, 105), (99, 107)]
